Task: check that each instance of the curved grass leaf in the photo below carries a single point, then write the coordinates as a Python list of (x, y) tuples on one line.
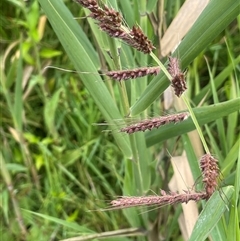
[(212, 212)]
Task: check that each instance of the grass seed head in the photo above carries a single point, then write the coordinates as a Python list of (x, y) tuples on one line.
[(133, 73), (178, 81), (111, 22), (163, 199), (89, 4), (156, 122), (210, 173)]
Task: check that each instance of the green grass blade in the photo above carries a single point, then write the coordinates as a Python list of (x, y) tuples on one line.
[(233, 227), (212, 212)]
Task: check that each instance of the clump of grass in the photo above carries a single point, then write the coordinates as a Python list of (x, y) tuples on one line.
[(59, 166), (208, 164)]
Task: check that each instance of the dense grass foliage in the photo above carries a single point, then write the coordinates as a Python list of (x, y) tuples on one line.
[(59, 169)]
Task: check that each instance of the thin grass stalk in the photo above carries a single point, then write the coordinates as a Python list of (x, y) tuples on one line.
[(162, 67), (114, 52), (143, 22), (121, 87), (194, 119)]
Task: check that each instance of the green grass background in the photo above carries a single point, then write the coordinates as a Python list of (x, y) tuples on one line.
[(58, 169)]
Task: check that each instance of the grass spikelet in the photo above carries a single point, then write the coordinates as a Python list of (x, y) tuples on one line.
[(156, 122), (140, 41), (92, 5), (111, 22), (133, 73), (210, 173), (178, 81)]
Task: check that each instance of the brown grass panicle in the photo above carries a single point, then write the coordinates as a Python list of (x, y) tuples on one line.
[(111, 22), (138, 40), (158, 200), (92, 5), (133, 73), (149, 124), (210, 173), (178, 81)]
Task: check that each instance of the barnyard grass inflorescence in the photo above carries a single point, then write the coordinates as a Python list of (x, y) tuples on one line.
[(133, 73), (111, 22), (156, 122), (157, 200), (178, 81), (210, 173)]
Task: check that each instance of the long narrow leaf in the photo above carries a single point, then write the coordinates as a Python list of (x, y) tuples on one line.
[(77, 47)]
